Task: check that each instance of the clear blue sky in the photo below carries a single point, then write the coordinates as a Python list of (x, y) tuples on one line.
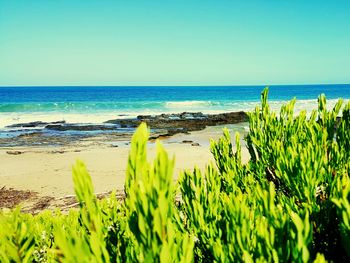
[(161, 42)]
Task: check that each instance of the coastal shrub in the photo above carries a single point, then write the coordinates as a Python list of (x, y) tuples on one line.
[(150, 209), (289, 203)]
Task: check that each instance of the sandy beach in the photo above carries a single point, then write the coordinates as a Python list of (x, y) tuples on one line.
[(48, 171)]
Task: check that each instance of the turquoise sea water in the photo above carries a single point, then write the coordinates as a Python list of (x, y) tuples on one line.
[(97, 104)]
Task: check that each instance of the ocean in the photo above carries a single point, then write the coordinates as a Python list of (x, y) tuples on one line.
[(96, 104)]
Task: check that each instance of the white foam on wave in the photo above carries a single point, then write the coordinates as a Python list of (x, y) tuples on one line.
[(307, 105), (95, 118), (300, 105), (187, 104)]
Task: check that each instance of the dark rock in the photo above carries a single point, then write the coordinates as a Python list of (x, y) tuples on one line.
[(58, 151), (14, 152), (143, 117), (187, 141), (75, 127), (159, 136), (195, 144), (33, 124), (162, 126), (183, 122)]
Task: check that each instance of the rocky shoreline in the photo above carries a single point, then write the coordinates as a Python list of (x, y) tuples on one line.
[(60, 133)]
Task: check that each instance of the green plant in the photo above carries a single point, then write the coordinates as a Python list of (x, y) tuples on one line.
[(150, 206)]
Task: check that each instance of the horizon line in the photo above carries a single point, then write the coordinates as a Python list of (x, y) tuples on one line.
[(188, 85)]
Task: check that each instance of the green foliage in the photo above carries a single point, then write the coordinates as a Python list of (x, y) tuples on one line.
[(303, 158), (289, 203), (343, 204), (150, 206), (88, 244), (17, 240)]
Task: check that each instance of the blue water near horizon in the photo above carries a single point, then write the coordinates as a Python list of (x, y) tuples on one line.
[(95, 104), (164, 93)]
